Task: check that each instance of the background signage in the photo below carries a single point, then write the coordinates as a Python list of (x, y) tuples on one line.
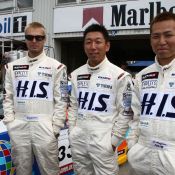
[(113, 15), (14, 24)]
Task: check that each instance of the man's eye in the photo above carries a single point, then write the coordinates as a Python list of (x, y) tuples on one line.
[(168, 35), (98, 42), (87, 42), (155, 36)]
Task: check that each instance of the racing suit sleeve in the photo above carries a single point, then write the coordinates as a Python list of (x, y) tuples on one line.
[(123, 103), (8, 104), (72, 113), (136, 108), (60, 99)]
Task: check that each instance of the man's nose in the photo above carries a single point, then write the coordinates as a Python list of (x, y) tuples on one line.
[(162, 39), (93, 45)]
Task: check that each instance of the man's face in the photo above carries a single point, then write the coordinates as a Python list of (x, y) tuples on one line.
[(163, 41), (95, 48), (35, 45)]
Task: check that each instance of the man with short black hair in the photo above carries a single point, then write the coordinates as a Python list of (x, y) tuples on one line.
[(151, 139), (99, 107)]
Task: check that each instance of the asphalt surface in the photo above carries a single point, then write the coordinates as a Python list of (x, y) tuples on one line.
[(124, 169)]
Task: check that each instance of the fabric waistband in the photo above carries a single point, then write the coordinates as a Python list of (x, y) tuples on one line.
[(93, 123), (157, 144)]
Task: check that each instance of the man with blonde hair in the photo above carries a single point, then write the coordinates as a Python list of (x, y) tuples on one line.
[(34, 105)]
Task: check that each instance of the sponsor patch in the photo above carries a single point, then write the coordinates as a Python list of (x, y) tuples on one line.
[(144, 124), (127, 96), (21, 73), (159, 105), (80, 116), (33, 89), (64, 91), (127, 100), (44, 67), (44, 74), (20, 67), (172, 75), (103, 86), (151, 75), (31, 118), (84, 77), (82, 84), (104, 78), (64, 75), (171, 85), (147, 84), (64, 97), (95, 102), (63, 86), (159, 145), (128, 87)]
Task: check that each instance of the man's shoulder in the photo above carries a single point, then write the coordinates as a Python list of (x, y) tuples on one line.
[(52, 60), (114, 67), (20, 61), (55, 62), (119, 72), (81, 69), (149, 69)]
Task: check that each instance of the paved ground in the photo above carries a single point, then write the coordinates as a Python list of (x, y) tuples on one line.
[(124, 169)]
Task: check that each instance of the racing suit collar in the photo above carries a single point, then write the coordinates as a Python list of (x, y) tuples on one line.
[(36, 59), (97, 68), (165, 67)]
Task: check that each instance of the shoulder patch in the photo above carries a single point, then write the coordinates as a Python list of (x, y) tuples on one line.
[(121, 75), (59, 66)]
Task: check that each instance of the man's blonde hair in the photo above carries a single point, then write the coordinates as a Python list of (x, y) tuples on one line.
[(35, 25)]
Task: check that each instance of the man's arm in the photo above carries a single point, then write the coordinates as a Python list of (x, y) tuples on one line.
[(136, 108), (124, 114), (60, 99), (8, 103), (73, 108)]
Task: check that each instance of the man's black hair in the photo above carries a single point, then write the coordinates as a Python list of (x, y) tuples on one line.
[(97, 28), (162, 17)]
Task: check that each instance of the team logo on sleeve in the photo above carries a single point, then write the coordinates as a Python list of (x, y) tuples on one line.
[(127, 96)]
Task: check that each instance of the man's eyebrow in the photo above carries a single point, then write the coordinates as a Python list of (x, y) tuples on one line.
[(168, 31)]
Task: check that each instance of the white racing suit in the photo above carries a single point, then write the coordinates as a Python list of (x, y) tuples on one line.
[(98, 116), (34, 110), (152, 138)]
